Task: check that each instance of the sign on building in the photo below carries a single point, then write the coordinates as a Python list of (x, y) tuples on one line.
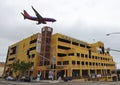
[(38, 48)]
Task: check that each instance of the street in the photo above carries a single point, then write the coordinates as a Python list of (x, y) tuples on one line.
[(49, 82)]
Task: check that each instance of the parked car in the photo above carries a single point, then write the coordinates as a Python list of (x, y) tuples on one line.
[(25, 79), (10, 78), (66, 79)]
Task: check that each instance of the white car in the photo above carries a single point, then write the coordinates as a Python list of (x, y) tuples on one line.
[(10, 78)]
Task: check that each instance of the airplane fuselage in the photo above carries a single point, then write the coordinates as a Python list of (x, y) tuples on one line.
[(43, 19), (39, 18)]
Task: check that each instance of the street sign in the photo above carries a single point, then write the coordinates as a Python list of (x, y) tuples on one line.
[(53, 59)]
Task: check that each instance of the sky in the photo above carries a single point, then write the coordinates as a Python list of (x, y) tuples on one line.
[(86, 20)]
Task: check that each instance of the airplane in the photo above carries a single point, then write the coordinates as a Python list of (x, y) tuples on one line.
[(39, 18)]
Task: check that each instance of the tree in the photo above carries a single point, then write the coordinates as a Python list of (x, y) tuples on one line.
[(25, 66), (19, 68), (16, 67)]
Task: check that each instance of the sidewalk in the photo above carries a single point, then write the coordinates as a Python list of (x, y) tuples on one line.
[(48, 81)]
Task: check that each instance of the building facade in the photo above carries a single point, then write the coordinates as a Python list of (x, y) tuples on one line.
[(61, 54), (1, 68)]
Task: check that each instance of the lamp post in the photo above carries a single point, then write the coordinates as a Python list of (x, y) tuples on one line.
[(53, 67), (113, 49), (112, 33), (109, 35)]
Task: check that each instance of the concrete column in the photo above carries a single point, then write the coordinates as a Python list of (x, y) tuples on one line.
[(55, 74), (64, 73), (95, 71), (81, 72), (89, 72), (70, 72), (44, 72)]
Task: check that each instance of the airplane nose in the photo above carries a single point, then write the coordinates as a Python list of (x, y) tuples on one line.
[(54, 20)]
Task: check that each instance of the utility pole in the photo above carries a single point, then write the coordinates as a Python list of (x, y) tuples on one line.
[(53, 60)]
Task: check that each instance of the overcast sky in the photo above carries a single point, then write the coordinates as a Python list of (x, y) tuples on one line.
[(87, 20)]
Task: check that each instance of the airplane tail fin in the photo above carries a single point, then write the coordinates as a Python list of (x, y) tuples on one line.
[(25, 14)]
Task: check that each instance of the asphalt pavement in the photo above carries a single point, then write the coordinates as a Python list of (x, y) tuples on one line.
[(50, 82)]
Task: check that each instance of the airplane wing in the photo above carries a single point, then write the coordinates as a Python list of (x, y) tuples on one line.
[(37, 14)]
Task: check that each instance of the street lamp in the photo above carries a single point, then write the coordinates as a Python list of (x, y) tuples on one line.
[(113, 49), (112, 33)]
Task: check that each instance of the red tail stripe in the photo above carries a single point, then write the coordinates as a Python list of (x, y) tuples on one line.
[(26, 14)]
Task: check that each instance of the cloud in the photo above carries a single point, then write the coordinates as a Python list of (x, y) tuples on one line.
[(87, 20)]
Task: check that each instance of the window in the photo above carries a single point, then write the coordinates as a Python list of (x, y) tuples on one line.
[(88, 47), (33, 41), (48, 34), (47, 48), (89, 53), (46, 63), (73, 62), (95, 57), (13, 50), (61, 55), (82, 45), (63, 40), (96, 64), (43, 29), (59, 63), (49, 29), (90, 63), (28, 52), (65, 62), (99, 64), (33, 55), (48, 40), (11, 59), (78, 62), (83, 63), (78, 54), (86, 56), (32, 48), (82, 55), (74, 43), (71, 54), (86, 63), (63, 47)]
